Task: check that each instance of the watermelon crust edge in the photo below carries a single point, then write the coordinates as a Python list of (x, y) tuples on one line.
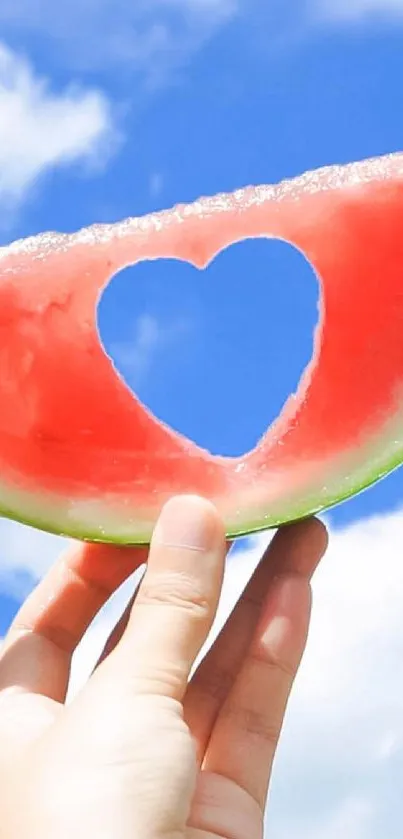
[(81, 456), (87, 532)]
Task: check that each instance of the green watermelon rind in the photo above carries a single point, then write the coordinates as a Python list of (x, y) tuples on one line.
[(302, 508)]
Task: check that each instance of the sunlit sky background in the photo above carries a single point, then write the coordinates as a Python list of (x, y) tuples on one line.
[(110, 108)]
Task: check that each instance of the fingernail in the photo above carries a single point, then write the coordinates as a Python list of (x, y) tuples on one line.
[(187, 522)]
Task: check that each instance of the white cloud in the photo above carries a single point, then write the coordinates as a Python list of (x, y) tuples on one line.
[(344, 737), (339, 768), (357, 10), (351, 820), (146, 35), (25, 556), (41, 129)]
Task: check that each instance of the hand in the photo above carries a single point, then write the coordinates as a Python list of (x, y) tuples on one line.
[(140, 753)]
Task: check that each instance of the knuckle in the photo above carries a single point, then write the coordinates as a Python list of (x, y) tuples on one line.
[(176, 591), (254, 723), (54, 635), (268, 660), (214, 682)]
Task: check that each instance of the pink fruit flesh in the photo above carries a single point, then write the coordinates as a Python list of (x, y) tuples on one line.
[(80, 454)]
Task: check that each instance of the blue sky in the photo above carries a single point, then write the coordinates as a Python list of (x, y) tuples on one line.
[(110, 108)]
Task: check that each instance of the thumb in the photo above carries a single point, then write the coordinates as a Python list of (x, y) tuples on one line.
[(177, 600)]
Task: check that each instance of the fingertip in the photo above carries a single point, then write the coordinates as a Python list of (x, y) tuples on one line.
[(312, 527), (314, 532), (299, 547), (189, 521)]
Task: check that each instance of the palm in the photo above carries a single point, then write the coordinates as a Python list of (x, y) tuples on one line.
[(23, 719)]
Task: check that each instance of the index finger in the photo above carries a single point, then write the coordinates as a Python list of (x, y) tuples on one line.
[(176, 602), (36, 655)]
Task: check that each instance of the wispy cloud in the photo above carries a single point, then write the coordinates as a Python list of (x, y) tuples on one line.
[(151, 36), (355, 11), (41, 129), (134, 357), (154, 38), (156, 184)]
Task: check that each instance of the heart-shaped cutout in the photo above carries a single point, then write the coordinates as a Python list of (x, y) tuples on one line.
[(86, 458), (214, 353)]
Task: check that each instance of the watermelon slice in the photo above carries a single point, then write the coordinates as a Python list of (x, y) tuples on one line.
[(80, 455)]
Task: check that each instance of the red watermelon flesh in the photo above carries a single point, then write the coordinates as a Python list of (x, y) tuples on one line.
[(80, 455)]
